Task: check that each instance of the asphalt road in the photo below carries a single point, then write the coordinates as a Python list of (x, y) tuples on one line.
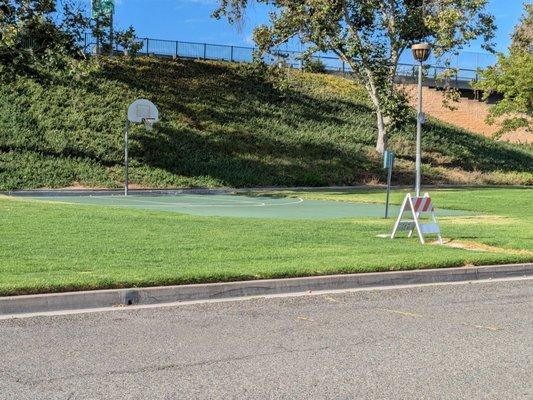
[(470, 341)]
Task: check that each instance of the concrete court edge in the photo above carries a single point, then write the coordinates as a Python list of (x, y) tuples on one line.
[(222, 190)]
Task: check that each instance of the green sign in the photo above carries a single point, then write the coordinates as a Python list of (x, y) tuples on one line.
[(103, 7), (388, 159)]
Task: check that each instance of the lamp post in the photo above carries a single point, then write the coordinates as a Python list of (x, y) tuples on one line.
[(421, 53)]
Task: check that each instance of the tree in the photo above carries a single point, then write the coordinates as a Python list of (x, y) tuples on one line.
[(512, 78), (46, 37), (128, 41), (523, 34), (33, 30), (22, 21), (370, 36)]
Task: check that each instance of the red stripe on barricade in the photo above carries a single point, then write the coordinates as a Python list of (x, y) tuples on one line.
[(420, 204), (427, 204), (417, 203)]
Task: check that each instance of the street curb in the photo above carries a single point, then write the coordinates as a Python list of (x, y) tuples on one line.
[(225, 290)]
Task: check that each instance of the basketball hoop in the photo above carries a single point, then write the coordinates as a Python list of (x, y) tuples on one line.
[(141, 111)]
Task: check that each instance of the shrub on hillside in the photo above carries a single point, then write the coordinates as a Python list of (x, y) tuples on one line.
[(314, 65), (222, 125), (128, 41)]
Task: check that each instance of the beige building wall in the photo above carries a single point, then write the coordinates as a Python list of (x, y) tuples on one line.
[(469, 115)]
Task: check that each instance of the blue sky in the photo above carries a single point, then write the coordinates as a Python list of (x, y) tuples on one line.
[(190, 20)]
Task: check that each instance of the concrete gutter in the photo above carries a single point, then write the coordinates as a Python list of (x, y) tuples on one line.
[(171, 294)]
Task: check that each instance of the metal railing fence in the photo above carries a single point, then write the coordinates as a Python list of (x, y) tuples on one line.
[(467, 64)]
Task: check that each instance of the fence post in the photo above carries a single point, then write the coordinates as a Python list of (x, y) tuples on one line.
[(147, 44), (231, 57), (177, 48), (343, 68), (205, 51)]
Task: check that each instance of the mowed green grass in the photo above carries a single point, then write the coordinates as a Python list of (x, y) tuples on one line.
[(50, 247), (506, 218)]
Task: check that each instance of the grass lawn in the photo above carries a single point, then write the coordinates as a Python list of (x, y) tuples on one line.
[(50, 247)]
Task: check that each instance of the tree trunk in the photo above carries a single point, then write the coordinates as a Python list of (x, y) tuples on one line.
[(381, 144), (383, 137)]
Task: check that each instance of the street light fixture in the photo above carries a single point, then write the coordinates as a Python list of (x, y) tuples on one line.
[(421, 52)]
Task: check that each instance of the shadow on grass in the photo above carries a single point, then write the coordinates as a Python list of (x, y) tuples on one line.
[(244, 132), (223, 105)]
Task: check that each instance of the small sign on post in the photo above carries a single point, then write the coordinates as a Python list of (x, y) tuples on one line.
[(417, 206), (388, 164), (421, 117)]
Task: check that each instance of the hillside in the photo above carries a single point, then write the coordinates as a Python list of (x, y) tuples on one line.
[(222, 126)]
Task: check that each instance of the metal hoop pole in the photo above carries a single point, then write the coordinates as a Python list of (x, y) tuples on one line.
[(126, 165)]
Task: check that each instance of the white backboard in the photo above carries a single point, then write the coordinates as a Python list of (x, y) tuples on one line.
[(141, 110)]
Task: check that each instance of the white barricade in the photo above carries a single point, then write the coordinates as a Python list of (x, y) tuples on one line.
[(417, 206)]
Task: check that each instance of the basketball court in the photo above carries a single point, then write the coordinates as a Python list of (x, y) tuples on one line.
[(228, 205), (143, 111)]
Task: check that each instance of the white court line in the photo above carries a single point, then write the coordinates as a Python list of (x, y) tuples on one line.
[(235, 204), (143, 198), (220, 197), (162, 204)]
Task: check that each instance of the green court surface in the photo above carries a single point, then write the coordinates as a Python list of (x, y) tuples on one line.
[(225, 205)]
